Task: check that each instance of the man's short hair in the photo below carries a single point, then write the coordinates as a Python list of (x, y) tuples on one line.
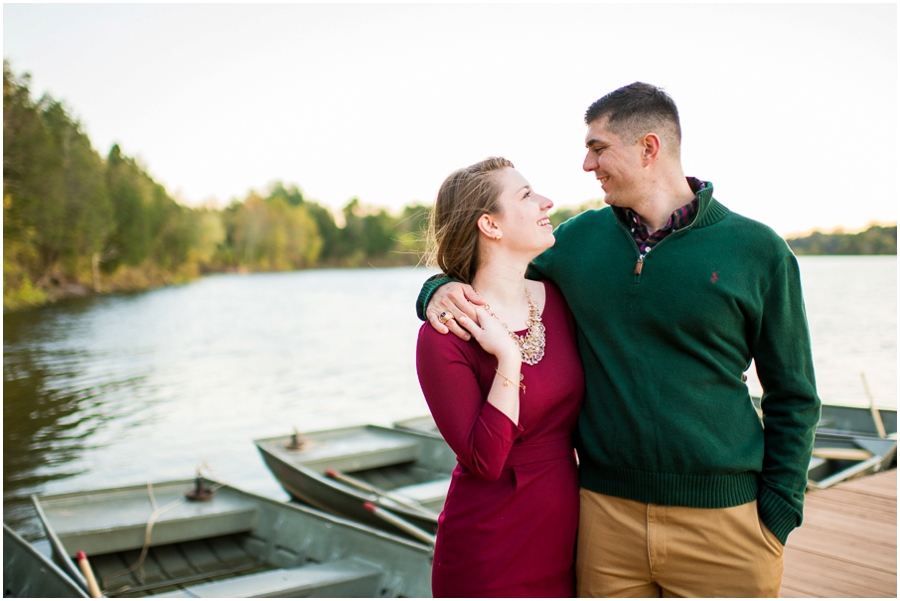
[(636, 110)]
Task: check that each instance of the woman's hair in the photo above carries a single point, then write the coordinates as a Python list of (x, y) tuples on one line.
[(465, 195)]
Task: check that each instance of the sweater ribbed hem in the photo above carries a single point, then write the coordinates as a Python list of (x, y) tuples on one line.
[(706, 491), (428, 288), (778, 516)]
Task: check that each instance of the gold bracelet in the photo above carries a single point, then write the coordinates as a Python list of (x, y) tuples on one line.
[(506, 381)]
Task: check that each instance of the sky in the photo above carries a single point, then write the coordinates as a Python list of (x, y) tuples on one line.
[(790, 110)]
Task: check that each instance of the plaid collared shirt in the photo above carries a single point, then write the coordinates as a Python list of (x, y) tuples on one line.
[(682, 216)]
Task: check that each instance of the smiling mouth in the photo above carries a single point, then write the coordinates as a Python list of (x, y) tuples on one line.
[(544, 221), (603, 180)]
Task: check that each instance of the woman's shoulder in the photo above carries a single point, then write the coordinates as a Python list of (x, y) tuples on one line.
[(552, 289), (555, 305), (552, 294), (432, 341)]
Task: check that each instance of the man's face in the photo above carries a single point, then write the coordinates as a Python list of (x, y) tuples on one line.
[(617, 165)]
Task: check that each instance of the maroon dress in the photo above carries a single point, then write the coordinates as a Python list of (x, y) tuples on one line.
[(509, 523)]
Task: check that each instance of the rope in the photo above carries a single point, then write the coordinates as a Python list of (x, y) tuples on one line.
[(157, 512)]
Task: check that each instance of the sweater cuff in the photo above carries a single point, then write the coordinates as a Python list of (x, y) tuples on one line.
[(778, 516), (428, 288)]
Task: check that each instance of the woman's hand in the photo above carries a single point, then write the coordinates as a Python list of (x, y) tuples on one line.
[(490, 334)]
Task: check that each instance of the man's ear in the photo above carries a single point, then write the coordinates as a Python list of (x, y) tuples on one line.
[(650, 147)]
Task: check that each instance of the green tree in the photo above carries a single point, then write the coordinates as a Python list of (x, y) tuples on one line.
[(86, 207), (271, 235), (876, 240), (367, 233), (33, 183), (131, 191)]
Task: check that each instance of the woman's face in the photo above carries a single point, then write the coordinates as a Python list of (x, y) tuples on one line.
[(524, 219)]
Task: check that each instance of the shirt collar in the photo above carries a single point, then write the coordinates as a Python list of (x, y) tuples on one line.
[(681, 216)]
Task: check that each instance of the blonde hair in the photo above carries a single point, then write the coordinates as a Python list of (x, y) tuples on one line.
[(453, 235)]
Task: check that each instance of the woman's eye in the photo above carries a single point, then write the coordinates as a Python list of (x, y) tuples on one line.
[(528, 194)]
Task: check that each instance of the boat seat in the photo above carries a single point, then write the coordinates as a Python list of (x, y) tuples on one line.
[(365, 450), (343, 578), (425, 492), (113, 521)]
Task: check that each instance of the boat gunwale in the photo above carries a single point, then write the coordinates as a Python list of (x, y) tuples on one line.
[(45, 562), (279, 505), (355, 493)]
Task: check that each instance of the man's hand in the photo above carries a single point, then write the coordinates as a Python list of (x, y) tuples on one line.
[(452, 299)]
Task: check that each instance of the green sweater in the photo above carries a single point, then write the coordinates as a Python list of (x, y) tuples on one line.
[(667, 418)]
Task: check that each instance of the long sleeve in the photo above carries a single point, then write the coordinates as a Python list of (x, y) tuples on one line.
[(479, 433), (780, 345), (428, 288)]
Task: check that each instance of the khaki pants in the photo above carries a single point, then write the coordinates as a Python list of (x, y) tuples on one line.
[(632, 549)]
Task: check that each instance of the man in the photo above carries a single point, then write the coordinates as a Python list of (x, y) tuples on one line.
[(684, 490)]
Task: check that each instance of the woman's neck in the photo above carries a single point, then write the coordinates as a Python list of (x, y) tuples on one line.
[(502, 284)]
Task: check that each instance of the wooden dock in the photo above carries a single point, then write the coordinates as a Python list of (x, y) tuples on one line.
[(847, 545)]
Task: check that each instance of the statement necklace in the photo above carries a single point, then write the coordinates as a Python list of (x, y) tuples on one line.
[(531, 345)]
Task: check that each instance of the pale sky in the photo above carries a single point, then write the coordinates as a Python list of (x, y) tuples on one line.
[(790, 110)]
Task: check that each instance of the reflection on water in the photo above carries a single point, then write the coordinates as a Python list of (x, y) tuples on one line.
[(121, 390), (125, 389), (51, 407)]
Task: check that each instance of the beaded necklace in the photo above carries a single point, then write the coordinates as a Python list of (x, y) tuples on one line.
[(531, 345)]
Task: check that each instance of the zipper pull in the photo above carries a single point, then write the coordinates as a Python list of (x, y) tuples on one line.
[(639, 265)]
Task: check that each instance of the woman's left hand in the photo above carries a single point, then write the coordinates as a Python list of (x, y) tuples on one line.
[(490, 334)]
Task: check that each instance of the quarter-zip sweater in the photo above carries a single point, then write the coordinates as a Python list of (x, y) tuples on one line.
[(665, 340)]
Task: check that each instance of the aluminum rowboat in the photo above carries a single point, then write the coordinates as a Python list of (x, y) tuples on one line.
[(236, 544), (412, 468)]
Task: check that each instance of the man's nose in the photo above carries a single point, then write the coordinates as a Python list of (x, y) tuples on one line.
[(590, 163)]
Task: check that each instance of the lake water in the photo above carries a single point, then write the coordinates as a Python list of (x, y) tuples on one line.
[(120, 390)]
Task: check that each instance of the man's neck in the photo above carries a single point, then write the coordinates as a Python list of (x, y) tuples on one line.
[(663, 200)]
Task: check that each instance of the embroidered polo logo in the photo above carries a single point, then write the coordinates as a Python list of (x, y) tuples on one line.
[(715, 277)]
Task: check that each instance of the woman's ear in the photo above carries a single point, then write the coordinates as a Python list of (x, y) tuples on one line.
[(489, 227)]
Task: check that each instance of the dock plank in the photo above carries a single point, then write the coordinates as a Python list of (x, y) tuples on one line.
[(787, 591), (872, 582), (875, 487), (836, 521), (847, 545)]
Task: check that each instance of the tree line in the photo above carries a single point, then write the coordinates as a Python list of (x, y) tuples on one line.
[(876, 240), (76, 222)]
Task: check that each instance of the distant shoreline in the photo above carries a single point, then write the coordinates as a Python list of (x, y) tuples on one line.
[(61, 291), (876, 240)]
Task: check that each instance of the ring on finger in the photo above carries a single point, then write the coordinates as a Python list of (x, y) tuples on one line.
[(444, 317)]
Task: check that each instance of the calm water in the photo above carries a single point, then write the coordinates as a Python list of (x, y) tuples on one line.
[(121, 390)]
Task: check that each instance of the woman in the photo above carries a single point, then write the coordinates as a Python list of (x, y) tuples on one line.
[(505, 401)]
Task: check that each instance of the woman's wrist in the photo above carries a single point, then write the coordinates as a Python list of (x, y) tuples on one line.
[(510, 359)]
